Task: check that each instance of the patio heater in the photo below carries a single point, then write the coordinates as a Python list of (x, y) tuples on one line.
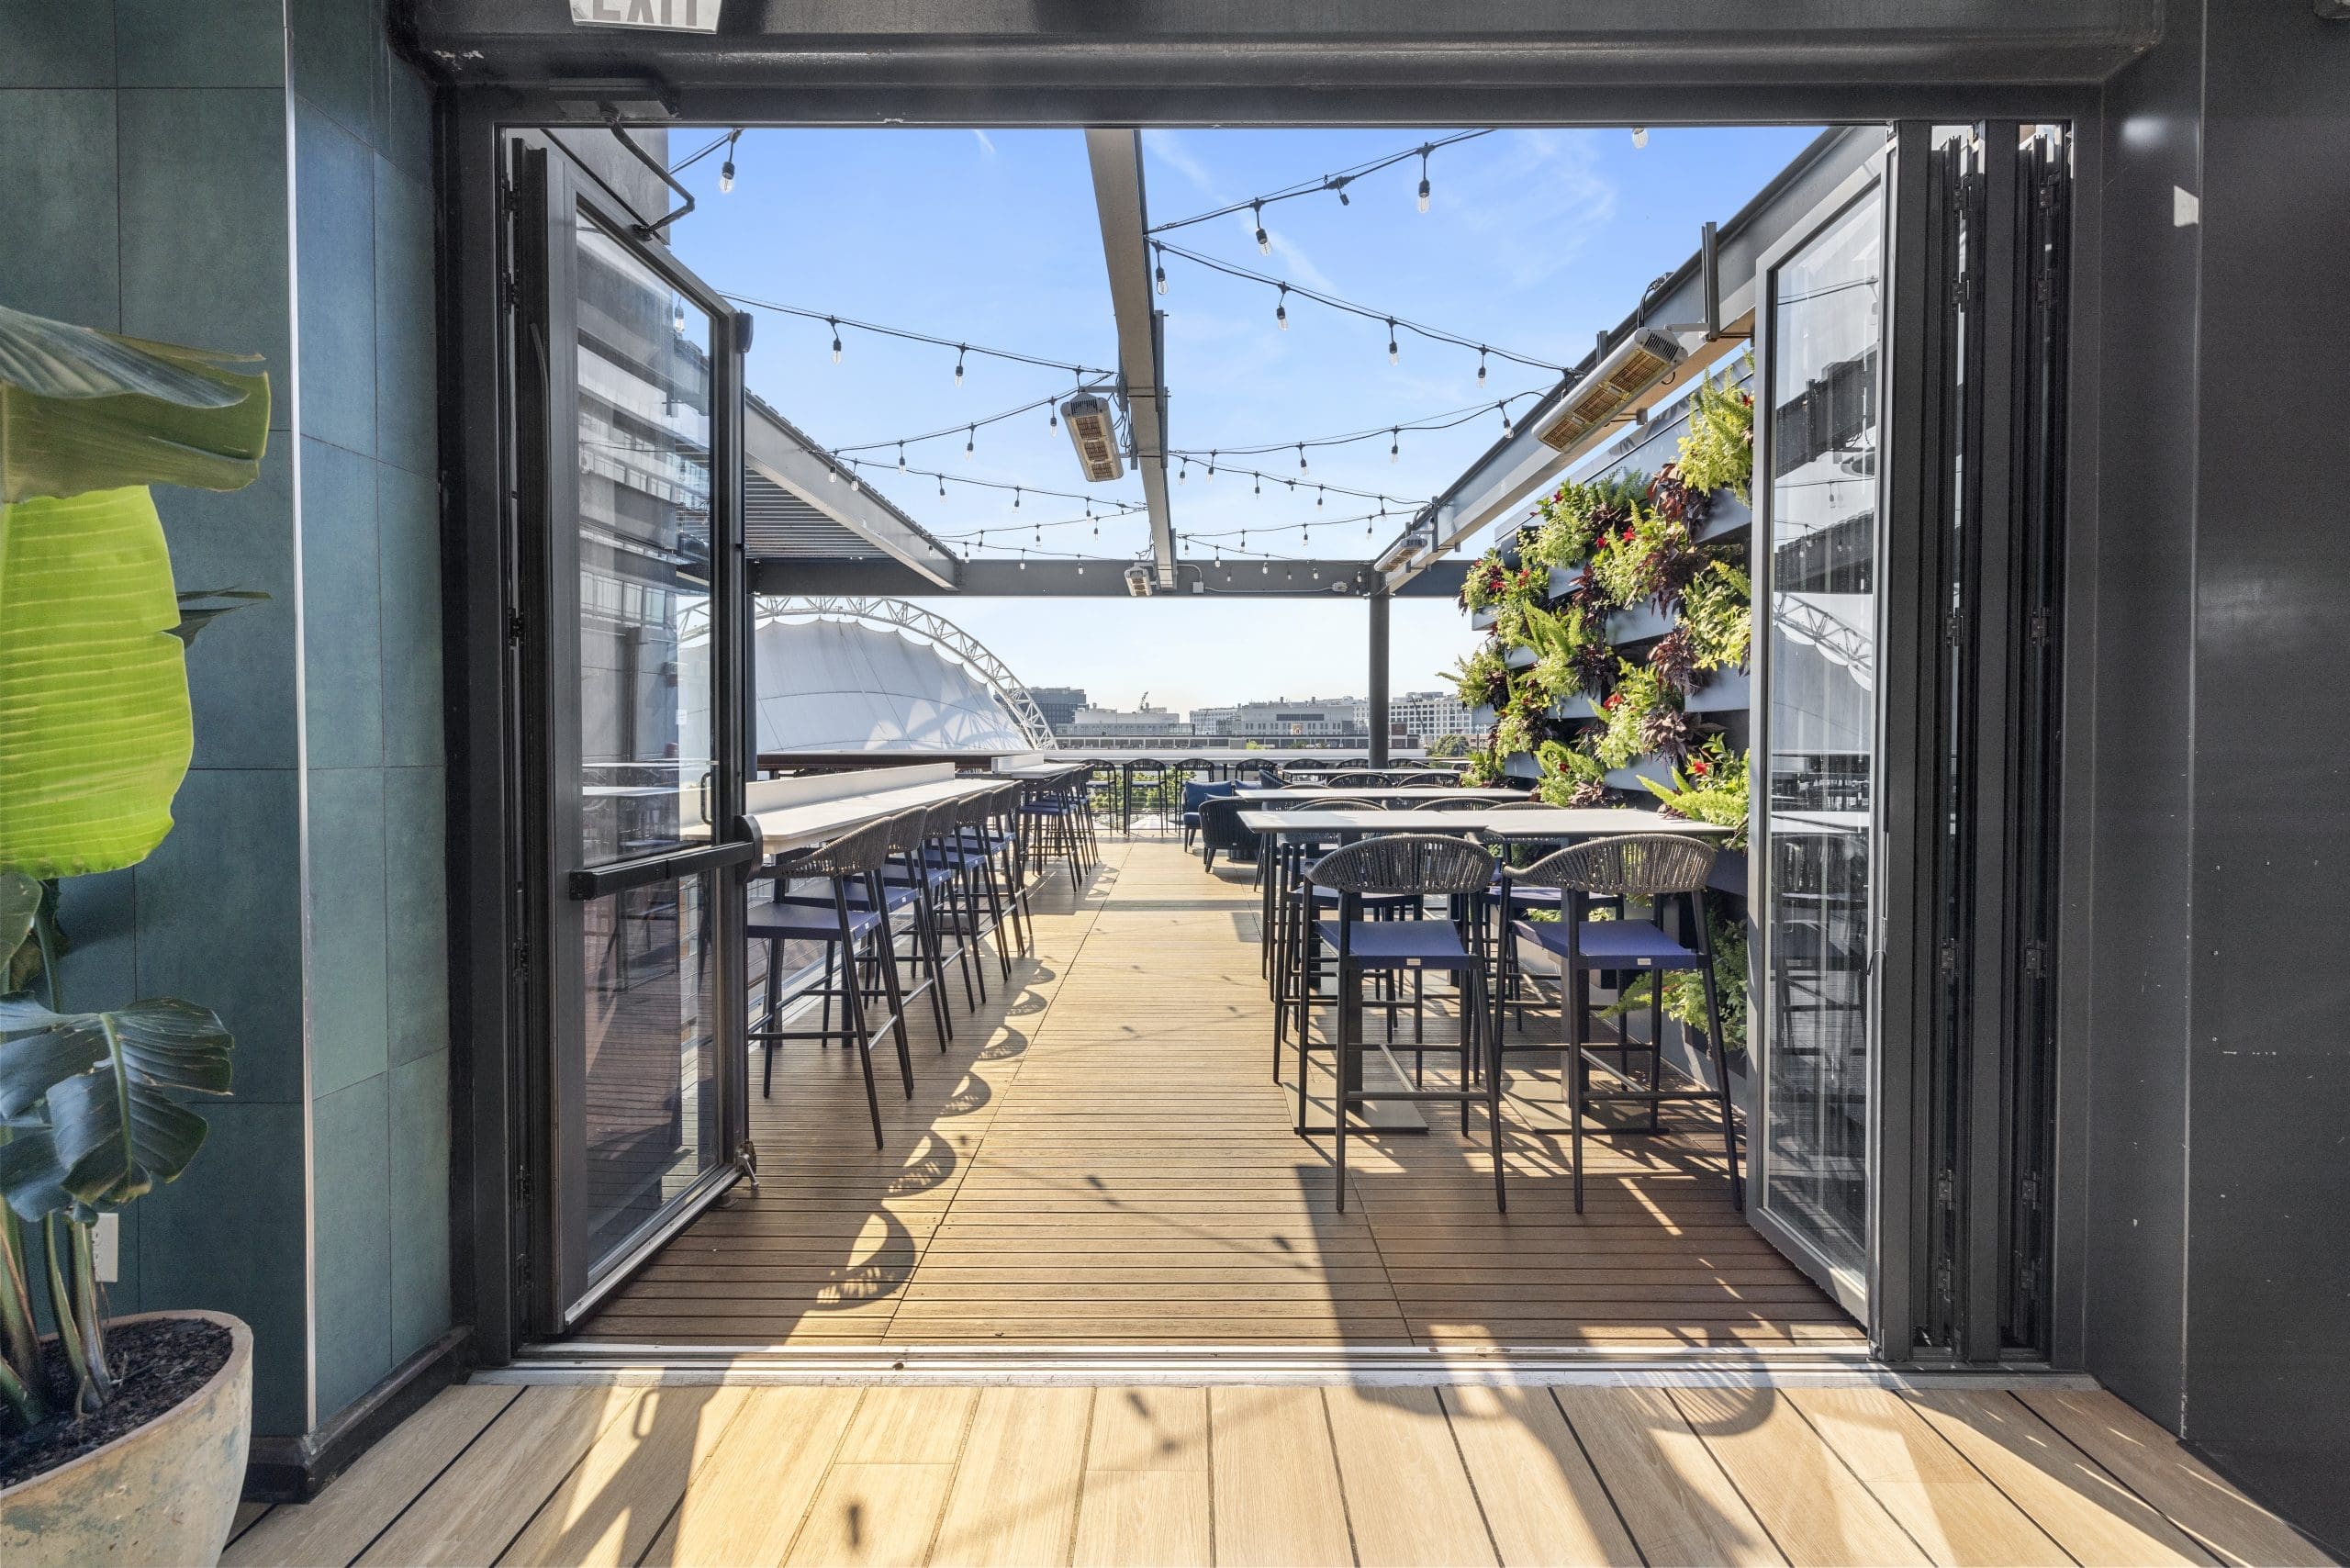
[(1093, 432), (1644, 358)]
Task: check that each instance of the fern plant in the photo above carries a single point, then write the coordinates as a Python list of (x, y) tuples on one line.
[(1638, 695), (1717, 616), (1718, 452), (1684, 993), (1712, 788), (1481, 679), (1570, 777)]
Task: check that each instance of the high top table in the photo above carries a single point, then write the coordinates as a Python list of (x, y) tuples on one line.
[(1306, 794), (1562, 825)]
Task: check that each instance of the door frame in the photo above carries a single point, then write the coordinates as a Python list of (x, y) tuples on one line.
[(556, 1282)]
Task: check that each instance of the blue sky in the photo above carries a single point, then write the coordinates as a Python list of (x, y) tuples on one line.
[(1534, 240)]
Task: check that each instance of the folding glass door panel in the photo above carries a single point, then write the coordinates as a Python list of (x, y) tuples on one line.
[(631, 607), (1819, 315)]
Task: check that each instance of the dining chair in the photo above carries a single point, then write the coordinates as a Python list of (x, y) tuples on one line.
[(1651, 867), (1416, 866), (847, 934)]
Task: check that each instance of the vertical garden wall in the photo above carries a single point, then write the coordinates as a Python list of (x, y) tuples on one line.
[(1613, 670)]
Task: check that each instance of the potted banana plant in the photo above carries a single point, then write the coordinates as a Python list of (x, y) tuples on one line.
[(122, 1441)]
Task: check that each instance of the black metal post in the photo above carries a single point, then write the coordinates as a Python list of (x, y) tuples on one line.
[(1379, 602)]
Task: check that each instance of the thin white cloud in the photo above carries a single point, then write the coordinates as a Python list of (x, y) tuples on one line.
[(1168, 147), (985, 145)]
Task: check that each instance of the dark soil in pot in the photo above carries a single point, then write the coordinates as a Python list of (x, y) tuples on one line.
[(158, 1364)]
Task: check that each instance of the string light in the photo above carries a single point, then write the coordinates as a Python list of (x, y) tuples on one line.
[(1395, 443), (1507, 429), (1399, 322), (836, 321), (677, 317), (1391, 355), (1281, 312), (833, 476), (726, 170), (1330, 183), (1317, 498), (1640, 136), (1264, 241), (1211, 466), (1481, 367), (1183, 471), (836, 340), (970, 441), (1301, 457), (1015, 501), (901, 457), (1423, 176), (1159, 274), (959, 353)]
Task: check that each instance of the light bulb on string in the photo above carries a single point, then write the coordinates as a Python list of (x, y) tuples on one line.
[(1023, 560), (1183, 471), (726, 170), (959, 353), (1481, 367), (1264, 241), (1640, 136), (1317, 498), (832, 475), (1508, 429), (677, 317), (901, 457), (942, 487), (1281, 311), (836, 339), (1211, 466), (970, 441), (855, 481), (1393, 354), (1015, 497), (1424, 178), (1395, 443), (1301, 457), (1159, 275)]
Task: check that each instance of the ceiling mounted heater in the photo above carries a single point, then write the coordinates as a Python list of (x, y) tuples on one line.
[(1631, 367), (1138, 581), (1095, 436)]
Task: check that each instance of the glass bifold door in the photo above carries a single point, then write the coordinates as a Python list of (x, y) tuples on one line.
[(627, 391), (1819, 327)]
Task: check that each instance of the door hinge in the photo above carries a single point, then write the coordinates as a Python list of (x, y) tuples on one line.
[(2042, 624), (1945, 1191), (2027, 1280), (521, 956), (522, 1189), (1954, 627), (513, 625), (1950, 957), (2029, 1190), (2035, 959)]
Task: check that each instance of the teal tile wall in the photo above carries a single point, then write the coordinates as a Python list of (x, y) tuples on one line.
[(302, 892)]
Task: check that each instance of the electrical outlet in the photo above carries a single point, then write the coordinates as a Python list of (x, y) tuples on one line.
[(105, 1242)]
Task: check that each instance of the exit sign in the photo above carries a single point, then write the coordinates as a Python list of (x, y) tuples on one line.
[(667, 16)]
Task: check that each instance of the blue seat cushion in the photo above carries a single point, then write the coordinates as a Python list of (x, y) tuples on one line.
[(806, 922), (1196, 791), (1370, 900), (1611, 943), (1401, 943)]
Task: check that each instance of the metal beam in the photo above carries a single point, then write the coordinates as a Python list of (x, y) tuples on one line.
[(1097, 579), (1379, 662), (776, 448), (1497, 484), (1116, 157)]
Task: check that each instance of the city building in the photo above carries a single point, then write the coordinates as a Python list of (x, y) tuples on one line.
[(1113, 727), (1426, 716), (1058, 704), (1289, 722)]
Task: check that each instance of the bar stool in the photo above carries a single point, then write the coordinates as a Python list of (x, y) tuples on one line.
[(848, 933), (1049, 821), (1655, 867), (1416, 866)]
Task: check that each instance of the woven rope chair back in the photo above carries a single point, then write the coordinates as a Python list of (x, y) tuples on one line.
[(973, 811), (1637, 865), (1470, 804), (938, 821), (1341, 804), (905, 831), (1405, 863), (852, 854), (1418, 780)]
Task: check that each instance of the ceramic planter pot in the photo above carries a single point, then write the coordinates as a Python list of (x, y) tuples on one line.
[(163, 1495)]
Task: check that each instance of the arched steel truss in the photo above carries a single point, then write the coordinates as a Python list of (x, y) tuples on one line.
[(902, 615)]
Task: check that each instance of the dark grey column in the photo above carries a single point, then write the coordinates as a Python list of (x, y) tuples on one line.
[(1379, 602)]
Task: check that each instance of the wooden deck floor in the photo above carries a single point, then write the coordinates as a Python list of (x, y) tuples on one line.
[(1102, 1156), (736, 1476)]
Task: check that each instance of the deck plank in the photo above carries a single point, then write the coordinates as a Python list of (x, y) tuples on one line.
[(610, 1509), (2188, 1492), (1673, 1498), (338, 1526), (1542, 1501), (1275, 1480), (1816, 1508), (749, 1498), (1015, 1492)]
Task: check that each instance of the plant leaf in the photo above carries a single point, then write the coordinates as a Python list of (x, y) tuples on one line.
[(31, 1181), (82, 411), (118, 1125), (19, 902), (195, 614), (94, 727)]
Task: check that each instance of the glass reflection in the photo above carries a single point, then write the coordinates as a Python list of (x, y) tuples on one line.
[(1825, 331), (643, 437), (651, 1054)]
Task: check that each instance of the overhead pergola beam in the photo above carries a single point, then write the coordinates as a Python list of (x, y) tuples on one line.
[(1195, 579), (1116, 157), (1497, 484), (775, 447)]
